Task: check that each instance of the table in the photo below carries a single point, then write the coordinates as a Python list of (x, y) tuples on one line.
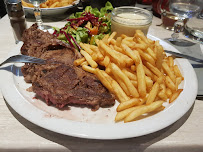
[(18, 134)]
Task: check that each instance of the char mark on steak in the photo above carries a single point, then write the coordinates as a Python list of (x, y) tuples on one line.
[(54, 58), (61, 83)]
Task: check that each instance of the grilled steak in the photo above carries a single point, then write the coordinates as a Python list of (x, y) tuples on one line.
[(60, 82), (36, 42), (71, 85), (44, 45), (54, 59)]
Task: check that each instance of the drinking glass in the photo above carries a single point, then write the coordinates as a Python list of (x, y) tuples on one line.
[(183, 9), (38, 13)]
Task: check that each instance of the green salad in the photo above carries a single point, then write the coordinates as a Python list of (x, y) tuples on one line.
[(86, 26)]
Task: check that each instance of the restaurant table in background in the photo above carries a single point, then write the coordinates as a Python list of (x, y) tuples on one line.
[(18, 134)]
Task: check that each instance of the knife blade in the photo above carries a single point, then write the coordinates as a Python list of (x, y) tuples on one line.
[(184, 56)]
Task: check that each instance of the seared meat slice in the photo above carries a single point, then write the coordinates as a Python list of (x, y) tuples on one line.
[(54, 58), (36, 42), (70, 85), (45, 46)]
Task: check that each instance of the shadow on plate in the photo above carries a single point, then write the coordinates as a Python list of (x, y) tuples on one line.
[(91, 145)]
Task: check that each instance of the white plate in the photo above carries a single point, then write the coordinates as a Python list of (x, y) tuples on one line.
[(84, 123), (52, 11)]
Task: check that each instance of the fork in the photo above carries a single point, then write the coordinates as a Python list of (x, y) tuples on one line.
[(23, 59)]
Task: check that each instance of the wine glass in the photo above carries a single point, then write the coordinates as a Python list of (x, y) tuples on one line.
[(183, 9), (38, 13)]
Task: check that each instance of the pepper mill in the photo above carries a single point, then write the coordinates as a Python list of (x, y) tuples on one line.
[(17, 18)]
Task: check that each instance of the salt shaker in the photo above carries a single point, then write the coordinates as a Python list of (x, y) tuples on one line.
[(17, 18)]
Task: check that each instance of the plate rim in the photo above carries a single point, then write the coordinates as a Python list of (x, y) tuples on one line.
[(107, 131)]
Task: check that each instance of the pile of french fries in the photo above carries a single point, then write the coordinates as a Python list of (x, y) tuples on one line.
[(51, 3), (136, 70)]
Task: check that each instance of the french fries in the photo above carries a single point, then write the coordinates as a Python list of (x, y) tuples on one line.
[(130, 74), (119, 92), (51, 3), (168, 71), (159, 54), (170, 84), (122, 114), (89, 59), (122, 84), (117, 71), (79, 61), (136, 70), (131, 54), (153, 93), (175, 95), (130, 103), (141, 80), (88, 69), (143, 109)]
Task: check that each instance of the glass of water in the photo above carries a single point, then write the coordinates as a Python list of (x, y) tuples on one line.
[(38, 13), (183, 9)]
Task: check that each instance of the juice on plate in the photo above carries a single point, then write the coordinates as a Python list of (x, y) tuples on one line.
[(125, 20)]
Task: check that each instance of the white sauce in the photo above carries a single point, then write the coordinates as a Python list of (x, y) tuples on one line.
[(131, 19), (127, 23)]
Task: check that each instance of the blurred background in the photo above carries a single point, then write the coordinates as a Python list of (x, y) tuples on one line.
[(93, 3), (2, 8), (100, 3)]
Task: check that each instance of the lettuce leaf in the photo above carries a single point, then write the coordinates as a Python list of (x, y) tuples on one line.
[(104, 10)]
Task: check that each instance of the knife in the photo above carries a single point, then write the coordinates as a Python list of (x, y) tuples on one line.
[(184, 56)]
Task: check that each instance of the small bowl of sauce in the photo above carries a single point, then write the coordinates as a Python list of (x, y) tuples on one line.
[(126, 19)]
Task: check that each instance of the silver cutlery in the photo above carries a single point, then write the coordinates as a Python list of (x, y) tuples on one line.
[(23, 59), (184, 56), (180, 42)]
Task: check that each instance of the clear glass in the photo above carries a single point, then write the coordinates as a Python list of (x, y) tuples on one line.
[(38, 13), (168, 18), (125, 20), (183, 9), (194, 28)]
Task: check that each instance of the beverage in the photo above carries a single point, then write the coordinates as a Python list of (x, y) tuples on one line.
[(125, 20), (168, 20), (35, 2), (184, 10)]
